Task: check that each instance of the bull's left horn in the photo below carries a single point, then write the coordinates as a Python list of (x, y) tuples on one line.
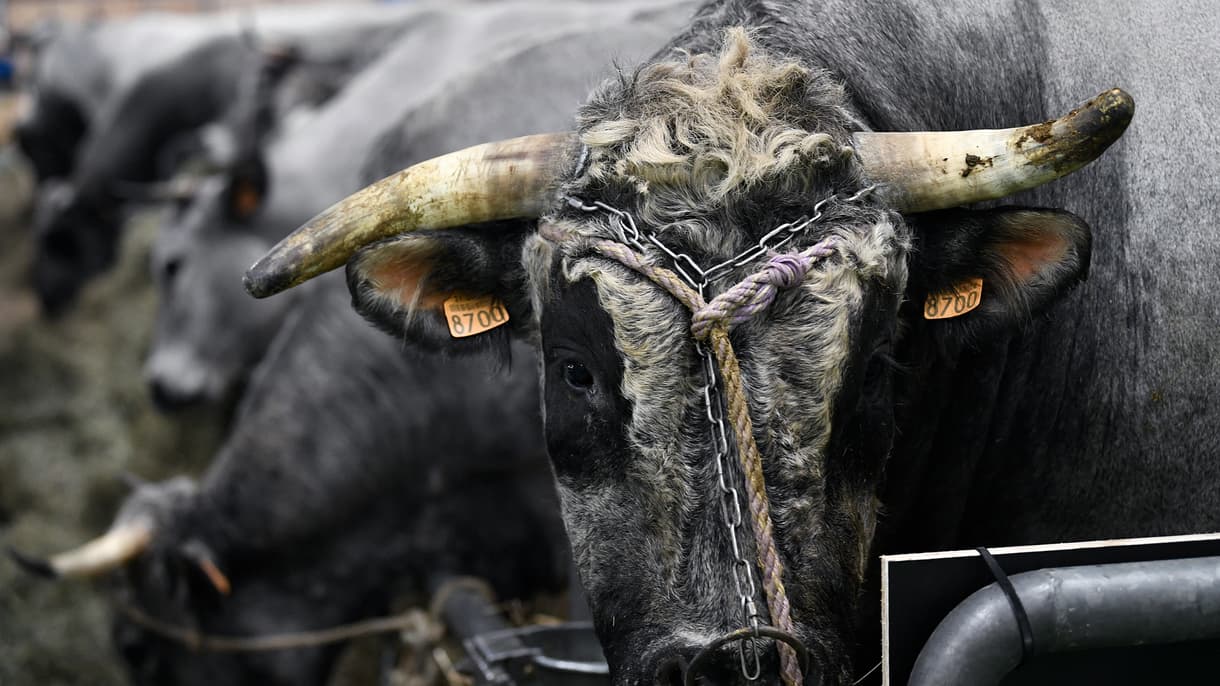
[(930, 170), (503, 180), (109, 551)]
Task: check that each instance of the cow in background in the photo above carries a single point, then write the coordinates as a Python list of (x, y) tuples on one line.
[(138, 133), (80, 72), (333, 493)]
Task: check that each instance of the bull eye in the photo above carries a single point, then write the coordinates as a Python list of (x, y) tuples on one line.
[(577, 375)]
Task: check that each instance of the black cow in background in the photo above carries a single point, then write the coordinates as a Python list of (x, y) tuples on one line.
[(318, 508), (133, 139), (74, 74), (208, 333), (77, 223)]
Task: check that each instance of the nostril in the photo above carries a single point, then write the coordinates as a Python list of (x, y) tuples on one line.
[(168, 399), (671, 672)]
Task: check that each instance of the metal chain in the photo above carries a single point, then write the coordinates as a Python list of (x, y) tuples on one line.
[(685, 265), (730, 510), (698, 278)]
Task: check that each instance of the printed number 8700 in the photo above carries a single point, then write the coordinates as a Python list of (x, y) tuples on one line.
[(485, 319)]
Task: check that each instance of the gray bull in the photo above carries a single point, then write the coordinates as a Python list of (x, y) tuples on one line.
[(207, 333), (1058, 408)]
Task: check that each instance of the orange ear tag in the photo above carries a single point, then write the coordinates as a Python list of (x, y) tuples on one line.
[(955, 302), (470, 316)]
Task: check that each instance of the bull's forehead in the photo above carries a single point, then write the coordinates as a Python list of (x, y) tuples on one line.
[(736, 139)]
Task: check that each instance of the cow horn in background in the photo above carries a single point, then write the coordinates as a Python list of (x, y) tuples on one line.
[(930, 170), (109, 551), (503, 180)]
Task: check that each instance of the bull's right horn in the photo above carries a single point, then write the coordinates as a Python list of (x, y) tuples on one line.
[(109, 551), (504, 180)]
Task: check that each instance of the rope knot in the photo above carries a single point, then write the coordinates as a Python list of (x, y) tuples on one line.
[(787, 270), (756, 292)]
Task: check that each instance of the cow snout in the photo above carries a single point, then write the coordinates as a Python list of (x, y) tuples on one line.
[(671, 669), (167, 398), (720, 663), (674, 667), (176, 380)]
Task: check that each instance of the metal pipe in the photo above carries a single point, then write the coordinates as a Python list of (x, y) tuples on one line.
[(1073, 608)]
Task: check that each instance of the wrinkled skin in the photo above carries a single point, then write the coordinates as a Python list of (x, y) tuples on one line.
[(1017, 422)]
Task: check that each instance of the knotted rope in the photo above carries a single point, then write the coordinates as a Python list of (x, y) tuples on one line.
[(711, 322), (756, 292)]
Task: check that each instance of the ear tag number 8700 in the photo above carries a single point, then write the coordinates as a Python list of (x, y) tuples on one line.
[(470, 316), (955, 302)]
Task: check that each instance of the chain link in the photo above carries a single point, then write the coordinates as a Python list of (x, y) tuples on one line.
[(698, 278)]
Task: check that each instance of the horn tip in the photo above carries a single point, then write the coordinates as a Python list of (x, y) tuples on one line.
[(1116, 103), (263, 281), (32, 565)]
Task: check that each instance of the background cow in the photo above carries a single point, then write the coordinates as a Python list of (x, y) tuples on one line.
[(318, 513), (79, 73), (138, 135)]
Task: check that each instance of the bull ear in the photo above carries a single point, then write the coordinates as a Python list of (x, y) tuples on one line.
[(402, 285), (1027, 259)]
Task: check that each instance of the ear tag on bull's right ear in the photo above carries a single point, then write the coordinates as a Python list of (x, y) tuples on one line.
[(954, 302), (472, 315)]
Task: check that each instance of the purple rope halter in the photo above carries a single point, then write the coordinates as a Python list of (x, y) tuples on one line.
[(755, 293)]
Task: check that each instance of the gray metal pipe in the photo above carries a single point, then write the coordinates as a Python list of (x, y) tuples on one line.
[(1073, 608)]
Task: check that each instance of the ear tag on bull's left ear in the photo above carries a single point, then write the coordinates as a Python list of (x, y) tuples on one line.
[(954, 302), (472, 315)]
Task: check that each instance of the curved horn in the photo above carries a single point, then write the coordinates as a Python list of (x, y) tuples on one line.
[(923, 171), (109, 551), (502, 180)]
